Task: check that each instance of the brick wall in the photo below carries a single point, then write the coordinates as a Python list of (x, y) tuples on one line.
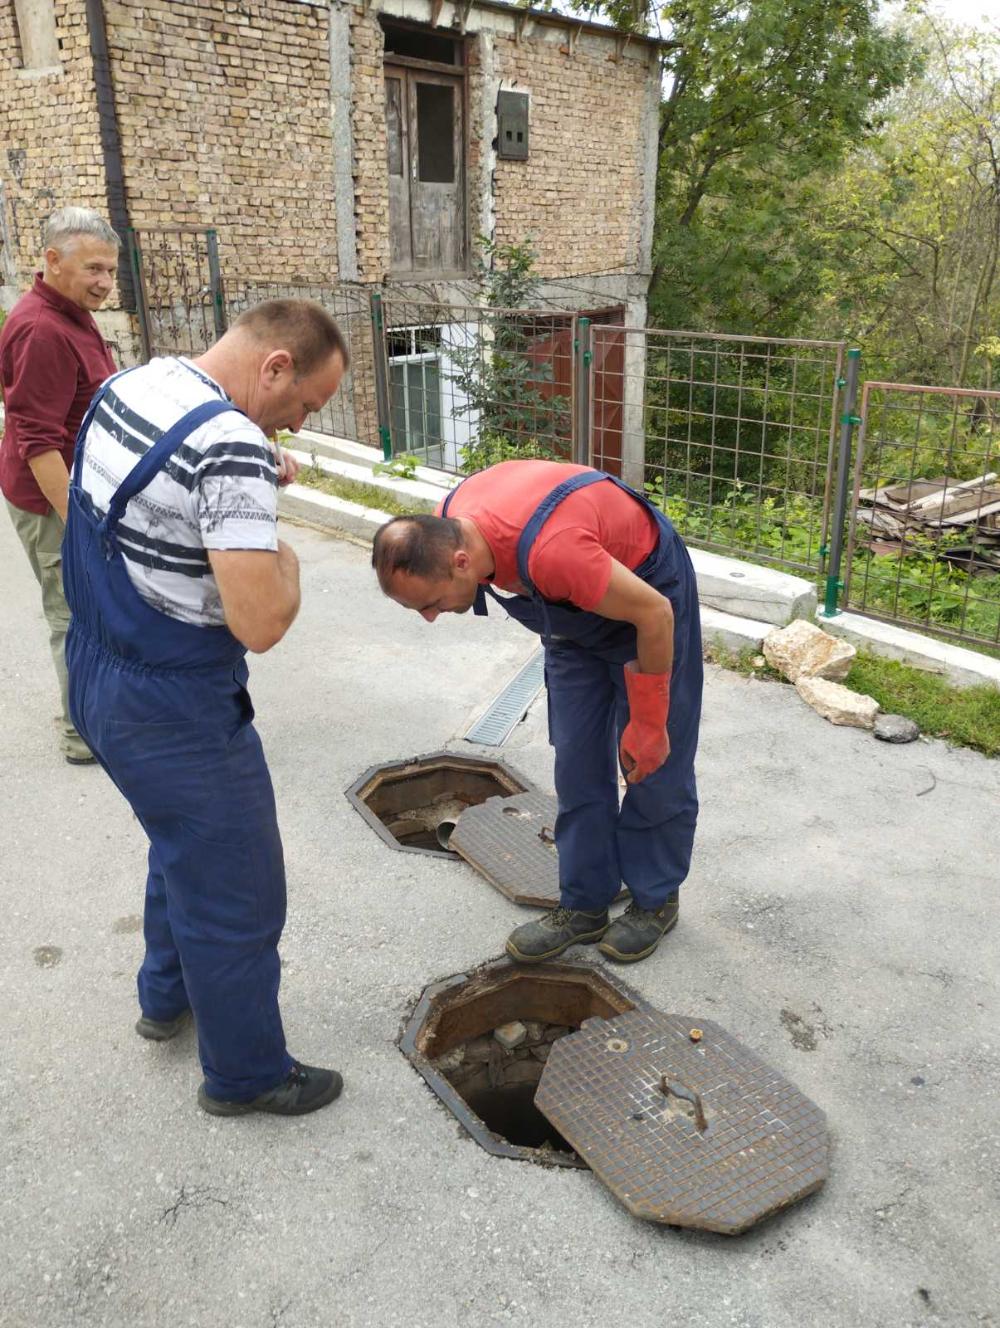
[(50, 154), (579, 193), (224, 112), (371, 180)]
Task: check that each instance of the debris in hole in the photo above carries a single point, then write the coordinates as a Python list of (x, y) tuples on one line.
[(497, 1076), (510, 1035)]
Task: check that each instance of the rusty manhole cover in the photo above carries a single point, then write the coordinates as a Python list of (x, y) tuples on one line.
[(511, 841), (481, 1042), (414, 805), (683, 1123)]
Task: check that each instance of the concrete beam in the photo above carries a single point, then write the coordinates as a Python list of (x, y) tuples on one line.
[(748, 591)]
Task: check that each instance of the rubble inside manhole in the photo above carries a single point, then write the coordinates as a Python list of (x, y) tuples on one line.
[(497, 1075), (481, 1042), (414, 805)]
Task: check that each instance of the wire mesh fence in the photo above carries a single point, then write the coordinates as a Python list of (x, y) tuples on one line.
[(352, 413), (469, 386), (732, 436), (924, 536)]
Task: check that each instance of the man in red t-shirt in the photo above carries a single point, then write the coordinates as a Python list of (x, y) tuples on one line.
[(603, 578), (52, 361)]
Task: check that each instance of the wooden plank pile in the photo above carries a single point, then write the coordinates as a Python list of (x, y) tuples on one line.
[(935, 508)]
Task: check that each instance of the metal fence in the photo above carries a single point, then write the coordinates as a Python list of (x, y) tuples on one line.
[(732, 436), (924, 531), (469, 386), (178, 286), (735, 437)]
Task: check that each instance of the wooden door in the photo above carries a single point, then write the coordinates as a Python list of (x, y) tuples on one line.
[(425, 141)]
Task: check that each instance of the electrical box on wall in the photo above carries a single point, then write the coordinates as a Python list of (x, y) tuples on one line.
[(512, 125)]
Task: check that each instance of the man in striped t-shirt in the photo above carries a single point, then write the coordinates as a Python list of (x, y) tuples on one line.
[(173, 570)]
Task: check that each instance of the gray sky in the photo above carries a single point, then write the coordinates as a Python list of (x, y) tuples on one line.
[(963, 11)]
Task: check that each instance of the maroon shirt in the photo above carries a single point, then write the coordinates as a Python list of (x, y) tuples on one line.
[(52, 361)]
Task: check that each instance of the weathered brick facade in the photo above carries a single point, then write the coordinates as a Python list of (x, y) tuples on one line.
[(49, 141), (580, 193), (224, 111)]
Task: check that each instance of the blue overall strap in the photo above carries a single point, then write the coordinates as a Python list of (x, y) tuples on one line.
[(479, 603), (81, 433), (542, 513), (157, 457)]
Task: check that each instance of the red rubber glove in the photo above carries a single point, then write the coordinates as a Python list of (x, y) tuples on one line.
[(645, 745)]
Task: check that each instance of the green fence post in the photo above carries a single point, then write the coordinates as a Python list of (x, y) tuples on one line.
[(848, 421), (583, 431), (382, 412)]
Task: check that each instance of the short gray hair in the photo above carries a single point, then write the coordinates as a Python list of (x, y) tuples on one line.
[(69, 222)]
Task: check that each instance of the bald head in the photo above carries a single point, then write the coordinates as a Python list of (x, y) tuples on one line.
[(418, 545)]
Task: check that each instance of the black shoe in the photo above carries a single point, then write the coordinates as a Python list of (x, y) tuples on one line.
[(638, 931), (161, 1030), (305, 1089), (554, 933)]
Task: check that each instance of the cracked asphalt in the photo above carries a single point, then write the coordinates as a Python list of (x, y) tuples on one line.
[(840, 920)]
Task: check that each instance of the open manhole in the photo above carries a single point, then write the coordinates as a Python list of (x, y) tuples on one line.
[(481, 1041), (414, 804), (683, 1123)]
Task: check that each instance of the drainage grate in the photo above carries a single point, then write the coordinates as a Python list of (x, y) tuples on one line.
[(493, 728)]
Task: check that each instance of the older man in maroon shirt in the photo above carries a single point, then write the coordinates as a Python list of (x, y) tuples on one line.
[(53, 358)]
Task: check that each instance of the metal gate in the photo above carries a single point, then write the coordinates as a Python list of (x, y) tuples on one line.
[(179, 297)]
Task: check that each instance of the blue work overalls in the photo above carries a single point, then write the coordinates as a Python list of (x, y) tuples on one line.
[(164, 707), (647, 841)]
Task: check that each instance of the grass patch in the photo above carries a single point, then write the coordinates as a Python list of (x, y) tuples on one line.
[(368, 495), (965, 716)]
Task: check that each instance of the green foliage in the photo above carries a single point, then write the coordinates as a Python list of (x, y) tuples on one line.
[(402, 467), (750, 524), (968, 716), (486, 449), (368, 495), (505, 382)]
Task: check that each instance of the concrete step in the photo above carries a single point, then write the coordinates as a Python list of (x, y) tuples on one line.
[(744, 590)]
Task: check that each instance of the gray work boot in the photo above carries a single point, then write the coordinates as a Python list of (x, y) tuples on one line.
[(161, 1030), (306, 1088), (554, 933), (638, 931)]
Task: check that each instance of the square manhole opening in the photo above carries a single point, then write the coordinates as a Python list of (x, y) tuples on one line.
[(413, 805), (481, 1042)]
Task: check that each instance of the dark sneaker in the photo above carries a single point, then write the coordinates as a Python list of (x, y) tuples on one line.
[(638, 932), (161, 1030), (554, 933), (306, 1089)]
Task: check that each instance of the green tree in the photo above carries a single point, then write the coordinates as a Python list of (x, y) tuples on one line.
[(759, 99), (911, 226), (502, 377)]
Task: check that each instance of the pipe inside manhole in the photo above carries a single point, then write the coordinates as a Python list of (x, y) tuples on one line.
[(481, 1042), (414, 805)]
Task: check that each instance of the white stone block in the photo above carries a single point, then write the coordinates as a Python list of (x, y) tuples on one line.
[(837, 703), (747, 591)]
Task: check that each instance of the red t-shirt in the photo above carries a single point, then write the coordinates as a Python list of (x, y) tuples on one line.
[(52, 361), (571, 557)]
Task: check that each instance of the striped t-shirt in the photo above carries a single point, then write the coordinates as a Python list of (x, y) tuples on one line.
[(217, 491)]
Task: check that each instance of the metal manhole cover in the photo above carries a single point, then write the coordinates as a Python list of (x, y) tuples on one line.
[(694, 1131), (511, 841)]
